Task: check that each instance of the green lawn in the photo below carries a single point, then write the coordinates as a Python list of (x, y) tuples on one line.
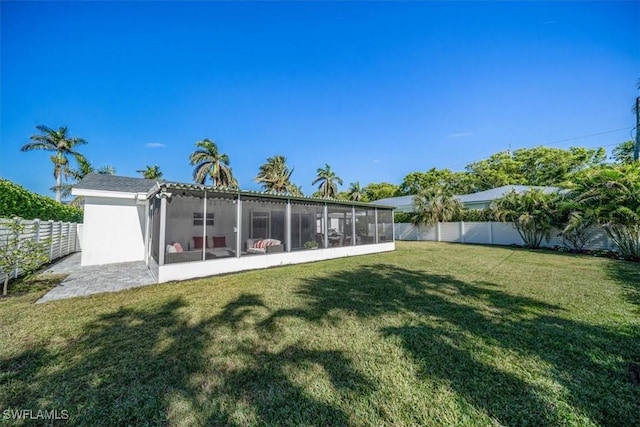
[(432, 334)]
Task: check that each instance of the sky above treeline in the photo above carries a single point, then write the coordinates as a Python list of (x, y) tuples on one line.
[(375, 89)]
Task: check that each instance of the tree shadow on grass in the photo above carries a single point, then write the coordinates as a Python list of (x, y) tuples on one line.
[(455, 328), (154, 366), (627, 274)]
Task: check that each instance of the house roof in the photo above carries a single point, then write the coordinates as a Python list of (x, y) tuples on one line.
[(498, 192), (195, 189), (401, 203), (120, 184), (405, 203), (126, 187)]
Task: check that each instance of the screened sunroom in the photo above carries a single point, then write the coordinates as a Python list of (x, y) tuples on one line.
[(196, 231)]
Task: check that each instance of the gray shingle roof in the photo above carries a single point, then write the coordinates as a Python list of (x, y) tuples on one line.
[(122, 184)]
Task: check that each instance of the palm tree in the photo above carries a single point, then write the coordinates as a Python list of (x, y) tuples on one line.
[(275, 176), (151, 172), (533, 214), (356, 193), (209, 161), (84, 168), (611, 195), (432, 205), (63, 145), (327, 179)]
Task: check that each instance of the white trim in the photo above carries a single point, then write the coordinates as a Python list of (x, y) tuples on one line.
[(183, 271), (104, 193)]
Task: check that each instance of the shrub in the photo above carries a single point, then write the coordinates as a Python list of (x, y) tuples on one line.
[(20, 202), (533, 213), (17, 251)]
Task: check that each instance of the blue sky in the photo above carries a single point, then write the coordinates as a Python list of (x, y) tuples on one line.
[(377, 90)]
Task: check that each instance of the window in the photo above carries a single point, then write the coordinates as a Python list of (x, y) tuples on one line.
[(198, 217)]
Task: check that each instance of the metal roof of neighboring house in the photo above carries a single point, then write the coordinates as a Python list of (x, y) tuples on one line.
[(121, 184), (405, 203), (498, 192), (401, 203)]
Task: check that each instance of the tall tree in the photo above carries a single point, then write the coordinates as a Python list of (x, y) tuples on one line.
[(623, 152), (62, 144), (328, 182), (84, 168), (381, 190), (151, 172), (209, 161), (275, 176), (433, 205), (449, 182), (534, 166), (356, 192)]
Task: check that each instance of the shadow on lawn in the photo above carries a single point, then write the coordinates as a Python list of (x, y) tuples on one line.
[(627, 273), (587, 361), (155, 365)]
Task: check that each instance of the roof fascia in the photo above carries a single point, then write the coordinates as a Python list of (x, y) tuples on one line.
[(103, 193)]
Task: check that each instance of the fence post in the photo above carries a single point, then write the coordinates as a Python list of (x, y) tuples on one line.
[(438, 231), (59, 240), (490, 233), (51, 240), (17, 237), (461, 231), (68, 237), (36, 223)]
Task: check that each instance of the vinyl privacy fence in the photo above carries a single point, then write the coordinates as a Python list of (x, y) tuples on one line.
[(491, 233), (62, 238)]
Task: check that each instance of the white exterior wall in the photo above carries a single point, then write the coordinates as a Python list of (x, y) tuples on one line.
[(182, 271), (113, 231)]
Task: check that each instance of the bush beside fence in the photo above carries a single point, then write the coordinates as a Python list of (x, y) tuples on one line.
[(62, 238), (490, 233)]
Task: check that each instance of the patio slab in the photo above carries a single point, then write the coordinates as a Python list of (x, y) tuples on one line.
[(90, 280)]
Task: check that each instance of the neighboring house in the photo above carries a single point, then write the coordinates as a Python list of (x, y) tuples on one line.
[(479, 200), (185, 230)]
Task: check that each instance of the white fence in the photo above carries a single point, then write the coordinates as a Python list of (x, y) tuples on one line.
[(490, 233), (62, 238)]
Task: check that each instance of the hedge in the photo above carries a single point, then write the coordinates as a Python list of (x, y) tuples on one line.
[(18, 201)]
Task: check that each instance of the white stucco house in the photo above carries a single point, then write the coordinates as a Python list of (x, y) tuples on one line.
[(185, 230)]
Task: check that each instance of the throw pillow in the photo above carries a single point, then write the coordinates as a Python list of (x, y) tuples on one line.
[(178, 247), (171, 249), (259, 244), (197, 242)]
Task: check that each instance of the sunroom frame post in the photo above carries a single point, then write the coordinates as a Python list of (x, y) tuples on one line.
[(287, 226), (353, 225), (163, 228), (204, 226), (238, 226), (326, 225), (375, 228)]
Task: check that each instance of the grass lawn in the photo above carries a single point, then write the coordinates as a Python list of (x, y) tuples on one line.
[(432, 334)]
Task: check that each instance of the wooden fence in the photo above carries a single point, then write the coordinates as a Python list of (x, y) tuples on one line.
[(62, 238), (490, 233)]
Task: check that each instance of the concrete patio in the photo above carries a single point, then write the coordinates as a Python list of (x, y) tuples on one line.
[(82, 281)]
